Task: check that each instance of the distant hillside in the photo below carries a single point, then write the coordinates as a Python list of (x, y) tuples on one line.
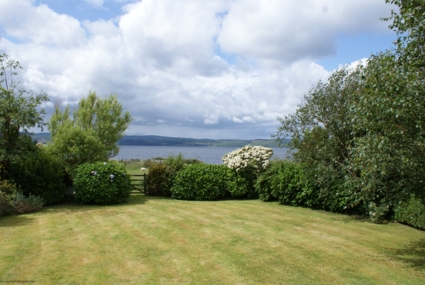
[(171, 141)]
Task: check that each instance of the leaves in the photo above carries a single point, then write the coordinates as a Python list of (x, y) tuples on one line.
[(93, 183), (92, 134), (18, 113)]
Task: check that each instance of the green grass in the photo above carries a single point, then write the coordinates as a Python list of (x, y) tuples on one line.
[(152, 240), (133, 166)]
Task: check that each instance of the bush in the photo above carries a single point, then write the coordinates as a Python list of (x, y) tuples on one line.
[(201, 182), (40, 174), (101, 183), (7, 201), (411, 213), (255, 157), (161, 176), (14, 202), (157, 180), (246, 164), (28, 204), (241, 183), (285, 181)]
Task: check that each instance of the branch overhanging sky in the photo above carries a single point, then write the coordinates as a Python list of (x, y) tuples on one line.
[(190, 68)]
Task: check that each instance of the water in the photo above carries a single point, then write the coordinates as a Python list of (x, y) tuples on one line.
[(211, 155)]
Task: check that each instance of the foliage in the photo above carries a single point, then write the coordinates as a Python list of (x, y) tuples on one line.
[(101, 183), (149, 163), (7, 201), (241, 183), (18, 113), (27, 204), (411, 212), (41, 174), (12, 201), (161, 176), (285, 181), (91, 135), (245, 164), (322, 134), (408, 22), (202, 182), (389, 118), (157, 180), (361, 136)]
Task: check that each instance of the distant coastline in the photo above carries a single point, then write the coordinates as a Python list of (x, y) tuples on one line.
[(147, 140)]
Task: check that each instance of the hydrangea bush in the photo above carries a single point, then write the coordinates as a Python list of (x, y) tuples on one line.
[(101, 183)]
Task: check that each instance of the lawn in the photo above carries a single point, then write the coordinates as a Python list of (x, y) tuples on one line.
[(151, 240)]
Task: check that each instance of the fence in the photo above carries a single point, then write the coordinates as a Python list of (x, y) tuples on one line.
[(139, 182)]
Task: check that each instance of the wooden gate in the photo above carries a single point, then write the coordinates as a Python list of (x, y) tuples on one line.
[(139, 182)]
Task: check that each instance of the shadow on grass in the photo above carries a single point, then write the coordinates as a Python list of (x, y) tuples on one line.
[(136, 198), (413, 255), (15, 221)]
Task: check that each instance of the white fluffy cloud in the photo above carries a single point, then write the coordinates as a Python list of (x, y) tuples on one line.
[(39, 25), (277, 32), (186, 68)]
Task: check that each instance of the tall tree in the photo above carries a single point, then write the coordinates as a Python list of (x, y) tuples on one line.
[(18, 113), (391, 154), (321, 133), (92, 133)]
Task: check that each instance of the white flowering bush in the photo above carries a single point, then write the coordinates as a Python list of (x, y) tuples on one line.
[(245, 164), (257, 157)]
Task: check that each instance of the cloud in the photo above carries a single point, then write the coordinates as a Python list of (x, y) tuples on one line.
[(39, 25), (211, 119), (139, 119), (194, 68), (276, 32)]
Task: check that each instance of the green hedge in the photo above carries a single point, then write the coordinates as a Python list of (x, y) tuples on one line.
[(161, 176), (41, 174), (201, 182), (285, 181), (101, 183), (411, 213)]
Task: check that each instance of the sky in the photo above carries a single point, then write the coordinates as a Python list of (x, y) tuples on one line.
[(219, 69)]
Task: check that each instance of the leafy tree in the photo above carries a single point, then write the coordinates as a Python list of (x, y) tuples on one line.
[(365, 136), (390, 114), (18, 113), (91, 135), (408, 22), (322, 135)]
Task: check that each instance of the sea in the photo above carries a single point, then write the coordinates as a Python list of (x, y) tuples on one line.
[(210, 155)]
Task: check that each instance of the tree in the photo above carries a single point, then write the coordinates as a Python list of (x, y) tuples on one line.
[(321, 133), (390, 113), (18, 113), (91, 135), (362, 134), (408, 22)]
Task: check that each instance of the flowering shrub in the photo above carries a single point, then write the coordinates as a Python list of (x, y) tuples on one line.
[(245, 164), (256, 157), (101, 183)]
